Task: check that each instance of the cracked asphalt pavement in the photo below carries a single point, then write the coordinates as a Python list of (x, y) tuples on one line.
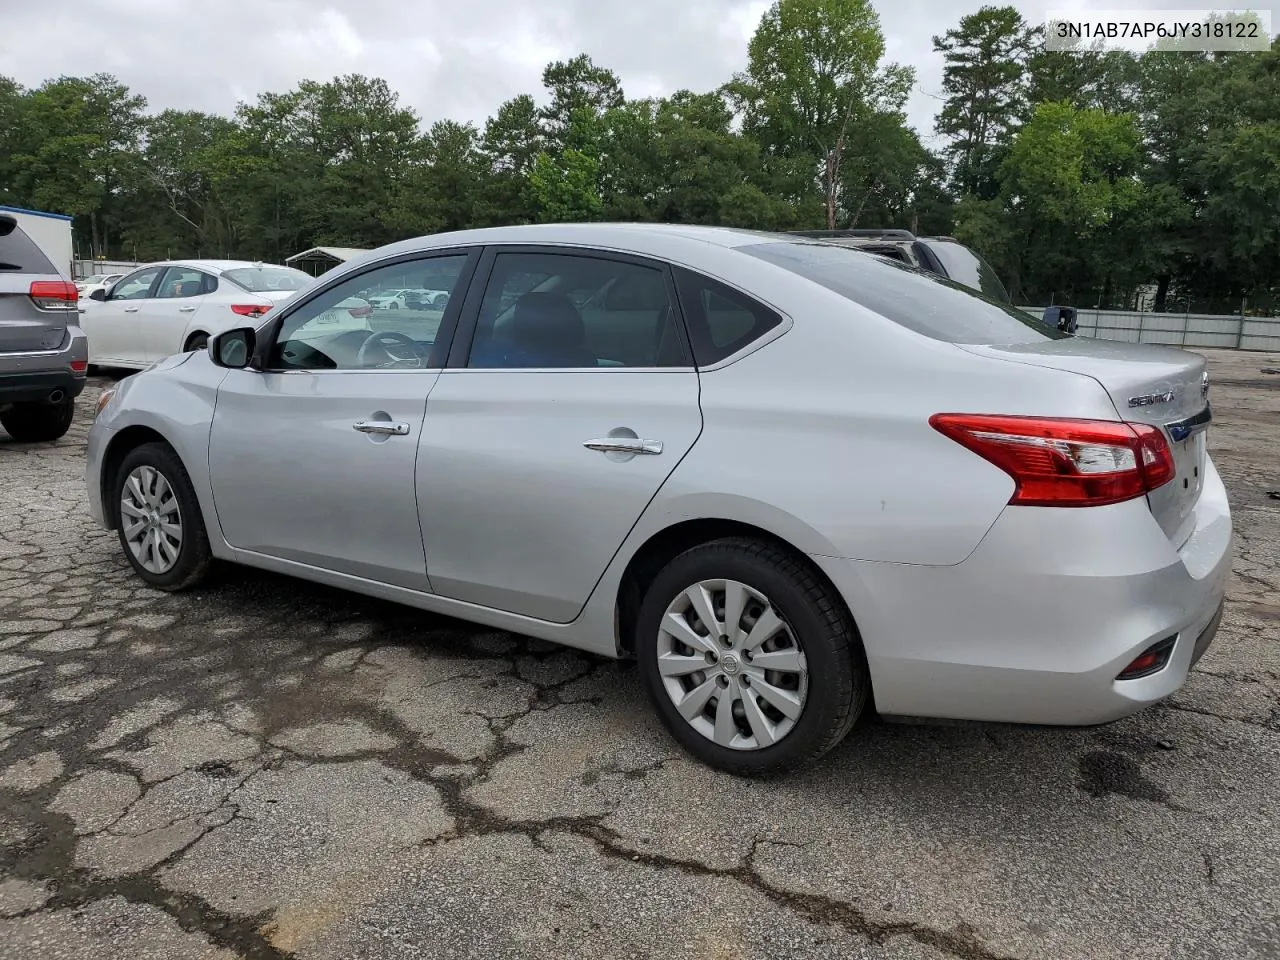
[(266, 768)]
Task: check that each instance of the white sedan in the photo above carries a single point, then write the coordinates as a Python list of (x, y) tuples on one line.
[(793, 480), (165, 308)]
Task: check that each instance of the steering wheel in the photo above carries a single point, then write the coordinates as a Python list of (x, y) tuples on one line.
[(386, 341)]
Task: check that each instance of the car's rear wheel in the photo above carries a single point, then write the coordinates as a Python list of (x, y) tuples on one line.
[(39, 422), (161, 530), (197, 341), (750, 657)]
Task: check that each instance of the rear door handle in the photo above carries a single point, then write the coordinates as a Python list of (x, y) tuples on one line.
[(130, 309), (624, 445), (384, 427), (186, 309)]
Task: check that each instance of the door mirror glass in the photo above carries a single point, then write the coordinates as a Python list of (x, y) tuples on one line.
[(99, 294), (234, 348)]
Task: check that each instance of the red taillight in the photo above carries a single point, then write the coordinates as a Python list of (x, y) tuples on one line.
[(249, 309), (79, 366), (54, 294), (1065, 463), (1154, 659), (360, 311)]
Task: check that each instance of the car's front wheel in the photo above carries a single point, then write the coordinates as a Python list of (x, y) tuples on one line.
[(161, 530), (39, 422), (749, 657)]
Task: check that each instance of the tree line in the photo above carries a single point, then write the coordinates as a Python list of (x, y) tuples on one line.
[(1084, 177)]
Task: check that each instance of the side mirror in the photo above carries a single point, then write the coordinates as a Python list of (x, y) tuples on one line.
[(233, 349), (99, 294), (1064, 318)]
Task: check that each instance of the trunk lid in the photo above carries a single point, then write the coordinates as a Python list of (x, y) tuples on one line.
[(1162, 386)]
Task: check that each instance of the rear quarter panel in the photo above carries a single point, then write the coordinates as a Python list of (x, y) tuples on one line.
[(822, 437)]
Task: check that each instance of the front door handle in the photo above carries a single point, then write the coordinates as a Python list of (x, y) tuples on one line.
[(624, 445), (186, 309), (386, 428), (130, 309)]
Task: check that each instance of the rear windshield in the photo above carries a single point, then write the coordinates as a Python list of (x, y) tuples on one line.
[(262, 279), (18, 252), (965, 266), (919, 301)]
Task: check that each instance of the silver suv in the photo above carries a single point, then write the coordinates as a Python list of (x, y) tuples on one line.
[(43, 352)]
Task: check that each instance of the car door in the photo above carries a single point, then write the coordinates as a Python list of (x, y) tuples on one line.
[(312, 458), (562, 413), (164, 318), (111, 325)]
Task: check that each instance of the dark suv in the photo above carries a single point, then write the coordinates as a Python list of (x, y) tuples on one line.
[(43, 352), (945, 256)]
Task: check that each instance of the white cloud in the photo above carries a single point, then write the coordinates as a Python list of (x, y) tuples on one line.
[(445, 59)]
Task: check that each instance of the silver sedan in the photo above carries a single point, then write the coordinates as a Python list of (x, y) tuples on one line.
[(794, 481)]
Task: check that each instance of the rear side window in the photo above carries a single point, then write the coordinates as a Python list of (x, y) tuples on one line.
[(721, 320), (928, 304), (19, 253)]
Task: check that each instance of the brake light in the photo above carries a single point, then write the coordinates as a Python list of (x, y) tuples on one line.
[(250, 309), (1065, 463), (360, 311), (54, 294), (79, 366)]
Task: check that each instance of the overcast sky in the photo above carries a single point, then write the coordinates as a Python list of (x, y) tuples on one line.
[(444, 57)]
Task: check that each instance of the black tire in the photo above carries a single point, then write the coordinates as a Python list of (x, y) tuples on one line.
[(838, 682), (194, 557), (39, 422), (197, 341)]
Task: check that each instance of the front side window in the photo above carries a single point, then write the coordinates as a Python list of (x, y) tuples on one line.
[(135, 286), (552, 310), (341, 329)]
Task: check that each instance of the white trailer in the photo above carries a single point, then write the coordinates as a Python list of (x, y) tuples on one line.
[(51, 233)]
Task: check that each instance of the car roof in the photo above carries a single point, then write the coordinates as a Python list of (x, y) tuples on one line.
[(216, 266), (652, 238)]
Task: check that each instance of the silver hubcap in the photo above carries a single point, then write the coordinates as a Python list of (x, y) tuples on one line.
[(731, 666), (151, 519)]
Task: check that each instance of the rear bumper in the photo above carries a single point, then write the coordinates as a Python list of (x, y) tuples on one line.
[(34, 377), (1037, 623)]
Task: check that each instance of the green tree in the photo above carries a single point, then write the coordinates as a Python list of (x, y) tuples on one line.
[(983, 80), (510, 145), (1071, 185), (577, 87), (77, 145), (814, 73)]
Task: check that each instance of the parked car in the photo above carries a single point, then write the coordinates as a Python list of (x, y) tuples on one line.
[(165, 308), (89, 284), (43, 352), (390, 300), (785, 476), (426, 299)]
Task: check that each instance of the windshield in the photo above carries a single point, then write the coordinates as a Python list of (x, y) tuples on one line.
[(919, 301), (268, 277), (965, 266)]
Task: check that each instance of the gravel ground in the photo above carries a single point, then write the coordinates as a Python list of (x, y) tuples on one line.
[(265, 768)]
